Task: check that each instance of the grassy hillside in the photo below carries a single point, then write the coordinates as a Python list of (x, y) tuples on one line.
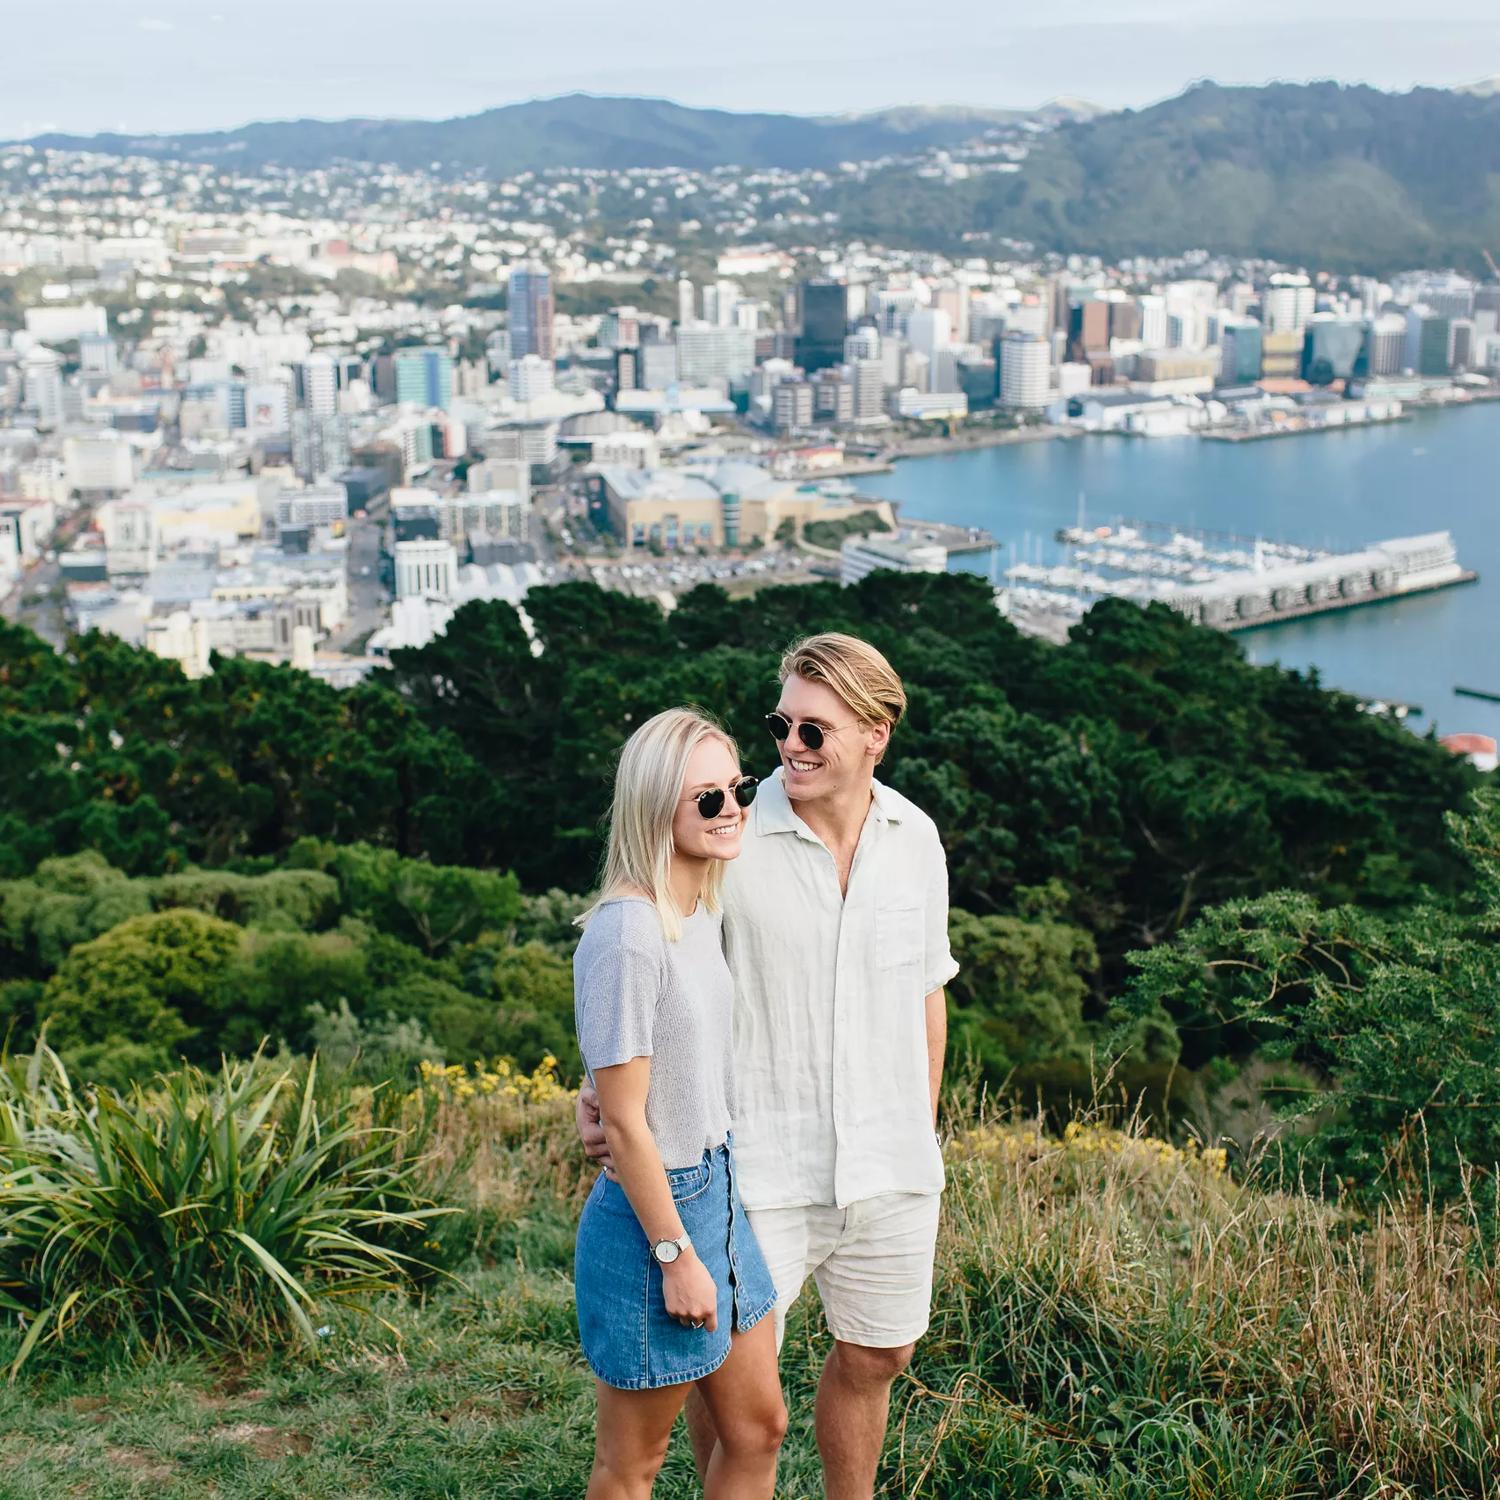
[(1115, 1319)]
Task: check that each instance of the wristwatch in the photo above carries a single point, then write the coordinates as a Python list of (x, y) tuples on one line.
[(666, 1251)]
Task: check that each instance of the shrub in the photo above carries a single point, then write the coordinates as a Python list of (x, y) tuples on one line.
[(222, 1209)]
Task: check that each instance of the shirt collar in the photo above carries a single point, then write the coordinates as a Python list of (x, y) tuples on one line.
[(773, 808)]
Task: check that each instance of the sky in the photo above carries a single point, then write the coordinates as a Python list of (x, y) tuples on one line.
[(176, 65)]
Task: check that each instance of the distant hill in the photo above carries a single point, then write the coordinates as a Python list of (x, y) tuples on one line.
[(575, 130), (1316, 173)]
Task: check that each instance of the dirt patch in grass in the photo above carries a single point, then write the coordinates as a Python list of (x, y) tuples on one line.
[(265, 1442), (95, 1408), (146, 1465)]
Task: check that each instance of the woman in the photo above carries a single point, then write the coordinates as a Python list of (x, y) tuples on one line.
[(672, 1289)]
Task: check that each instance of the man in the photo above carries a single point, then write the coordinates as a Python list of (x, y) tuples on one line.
[(836, 931)]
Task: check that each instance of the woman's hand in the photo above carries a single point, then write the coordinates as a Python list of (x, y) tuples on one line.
[(692, 1298)]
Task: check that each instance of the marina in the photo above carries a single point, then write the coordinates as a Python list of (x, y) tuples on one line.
[(1228, 587)]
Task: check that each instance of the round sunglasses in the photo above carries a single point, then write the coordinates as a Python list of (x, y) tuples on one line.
[(809, 733), (711, 800)]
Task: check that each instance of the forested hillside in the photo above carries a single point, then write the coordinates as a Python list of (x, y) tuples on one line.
[(391, 871)]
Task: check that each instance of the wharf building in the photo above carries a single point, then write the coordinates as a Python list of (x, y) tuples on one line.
[(1404, 565), (859, 556)]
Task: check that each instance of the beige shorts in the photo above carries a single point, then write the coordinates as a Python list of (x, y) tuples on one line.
[(872, 1262)]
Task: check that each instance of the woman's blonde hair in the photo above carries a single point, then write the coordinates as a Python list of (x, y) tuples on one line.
[(648, 783)]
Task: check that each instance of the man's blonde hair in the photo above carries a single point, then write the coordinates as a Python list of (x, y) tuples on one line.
[(856, 672), (648, 783)]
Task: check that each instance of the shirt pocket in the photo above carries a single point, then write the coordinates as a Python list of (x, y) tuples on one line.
[(898, 937)]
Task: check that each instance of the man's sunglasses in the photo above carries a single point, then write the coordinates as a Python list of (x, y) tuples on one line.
[(809, 733), (711, 802)]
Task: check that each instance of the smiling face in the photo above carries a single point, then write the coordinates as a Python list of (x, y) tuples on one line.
[(849, 750), (694, 836)]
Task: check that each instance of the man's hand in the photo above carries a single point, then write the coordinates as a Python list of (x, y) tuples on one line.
[(591, 1130)]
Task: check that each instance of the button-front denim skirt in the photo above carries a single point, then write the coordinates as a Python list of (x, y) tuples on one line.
[(628, 1338)]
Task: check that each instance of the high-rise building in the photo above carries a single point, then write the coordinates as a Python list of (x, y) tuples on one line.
[(42, 385), (658, 364), (714, 356), (833, 395), (1385, 345), (1025, 364), (863, 343), (1288, 303), (1153, 332), (1427, 341), (425, 376), (268, 407), (686, 304), (1240, 352), (792, 405), (320, 445), (1461, 347), (1331, 349), (315, 385), (531, 378), (531, 312), (869, 390), (1088, 330), (822, 321), (1125, 319)]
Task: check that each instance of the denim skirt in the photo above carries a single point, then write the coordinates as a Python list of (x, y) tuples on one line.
[(628, 1338)]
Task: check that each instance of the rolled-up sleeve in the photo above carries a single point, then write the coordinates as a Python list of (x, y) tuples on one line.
[(939, 966)]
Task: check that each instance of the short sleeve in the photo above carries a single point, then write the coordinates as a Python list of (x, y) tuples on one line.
[(938, 963), (617, 997)]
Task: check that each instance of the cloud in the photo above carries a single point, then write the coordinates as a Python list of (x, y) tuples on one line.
[(154, 23)]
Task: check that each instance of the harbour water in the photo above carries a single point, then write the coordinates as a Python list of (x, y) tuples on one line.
[(1335, 490)]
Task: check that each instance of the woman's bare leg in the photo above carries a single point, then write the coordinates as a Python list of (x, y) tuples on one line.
[(743, 1398), (631, 1439)]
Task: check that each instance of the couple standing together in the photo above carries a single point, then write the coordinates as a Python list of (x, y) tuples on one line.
[(759, 1001)]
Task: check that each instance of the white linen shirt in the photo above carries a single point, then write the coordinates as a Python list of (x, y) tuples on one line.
[(830, 1029)]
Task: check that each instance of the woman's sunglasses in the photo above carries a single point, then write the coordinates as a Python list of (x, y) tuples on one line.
[(809, 733), (711, 802)]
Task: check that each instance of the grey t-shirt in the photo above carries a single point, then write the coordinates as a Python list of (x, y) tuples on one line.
[(637, 995)]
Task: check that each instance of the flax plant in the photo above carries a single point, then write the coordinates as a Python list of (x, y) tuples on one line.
[(221, 1209)]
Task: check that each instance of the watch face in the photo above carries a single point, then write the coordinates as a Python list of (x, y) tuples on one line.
[(666, 1251)]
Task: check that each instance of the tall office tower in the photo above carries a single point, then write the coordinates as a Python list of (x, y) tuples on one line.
[(891, 306), (1240, 348), (658, 364), (1332, 349), (1427, 341), (1125, 319), (425, 376), (863, 343), (822, 321), (619, 328), (721, 300), (531, 378), (1385, 345), (1025, 365), (1153, 320), (627, 369), (714, 356), (869, 390), (833, 396), (686, 300), (1288, 303), (315, 385), (792, 405), (1461, 344), (531, 312), (42, 385), (930, 335), (1088, 330), (953, 298)]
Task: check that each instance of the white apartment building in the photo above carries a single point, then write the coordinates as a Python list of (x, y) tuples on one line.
[(98, 463), (1025, 369), (530, 378)]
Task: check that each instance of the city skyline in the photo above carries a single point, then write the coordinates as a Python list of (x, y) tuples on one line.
[(141, 69)]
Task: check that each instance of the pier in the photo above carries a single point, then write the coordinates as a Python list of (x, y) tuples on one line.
[(1226, 582)]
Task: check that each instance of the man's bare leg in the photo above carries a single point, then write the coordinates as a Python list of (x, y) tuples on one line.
[(854, 1401)]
